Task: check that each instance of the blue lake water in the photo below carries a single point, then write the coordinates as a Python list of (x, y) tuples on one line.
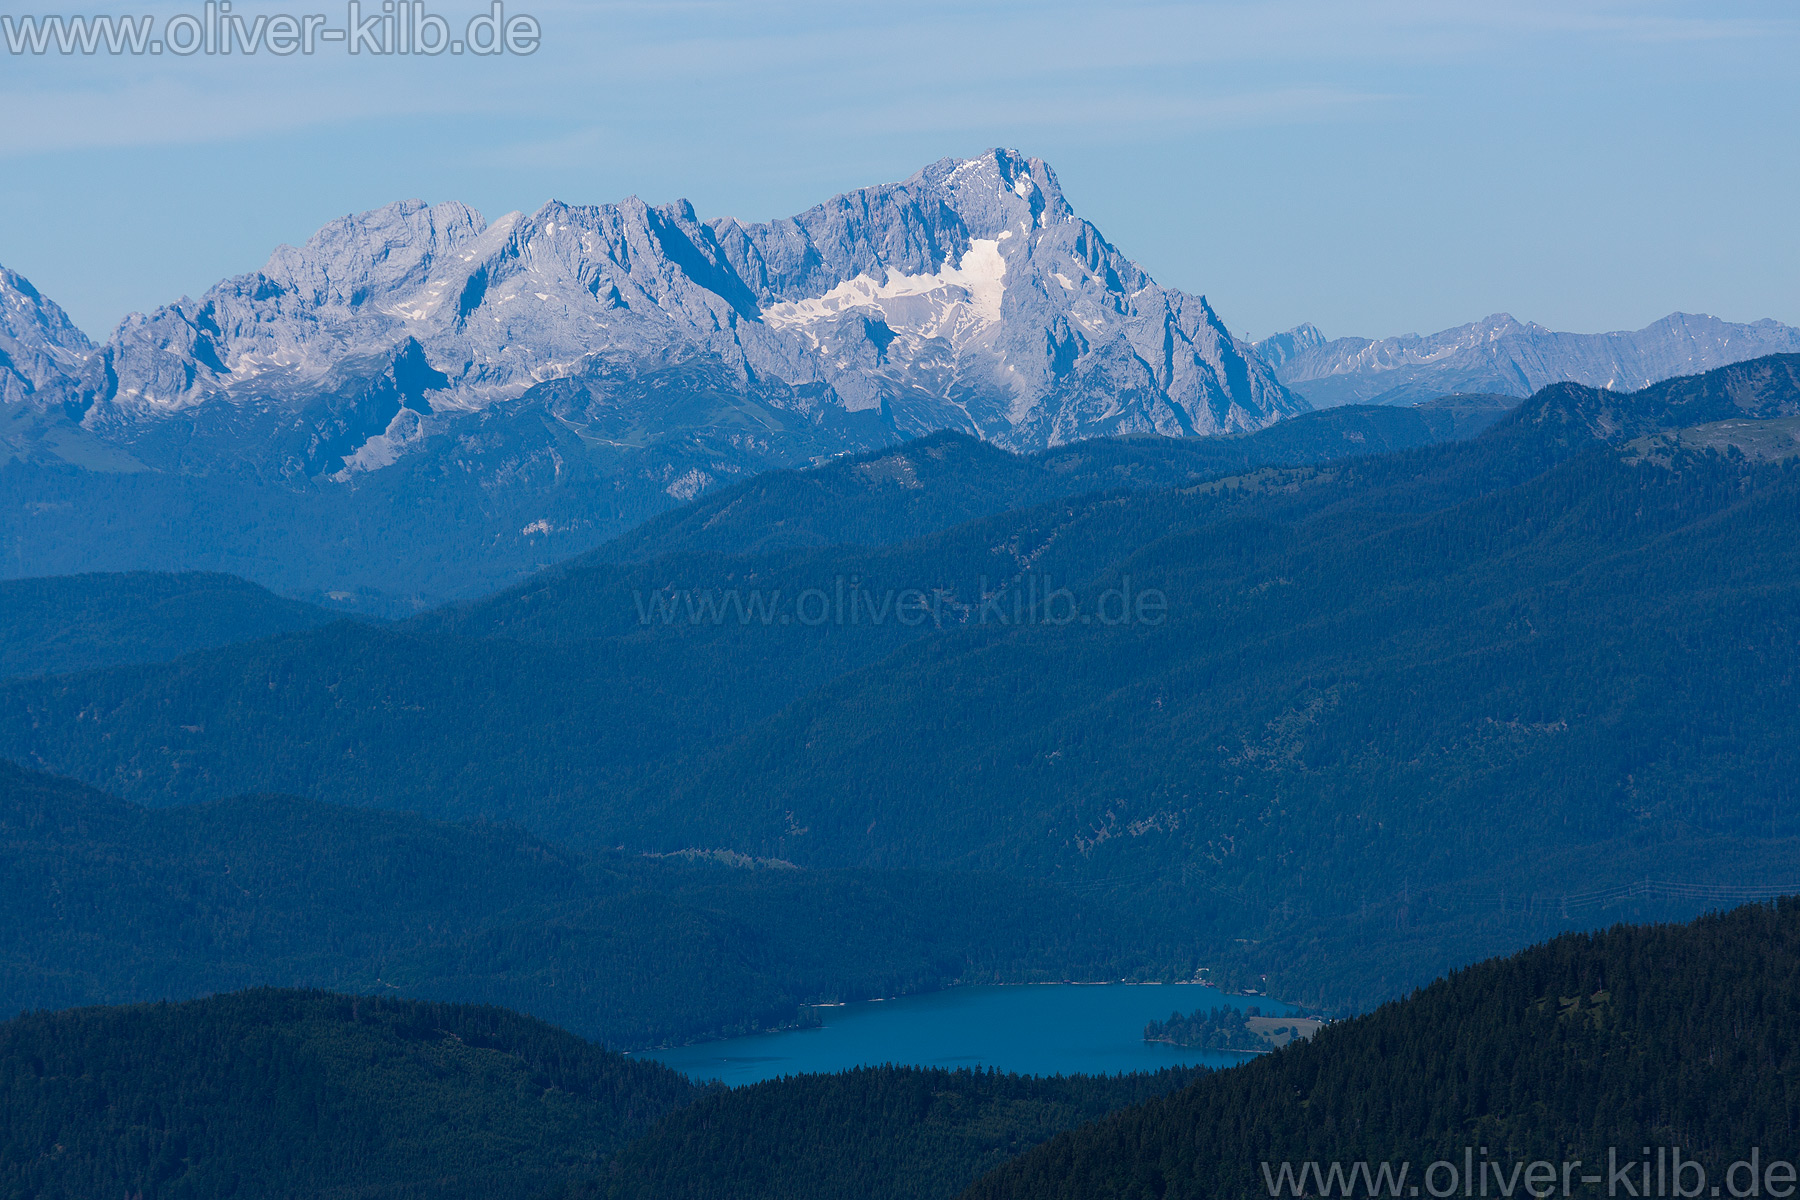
[(1033, 1029)]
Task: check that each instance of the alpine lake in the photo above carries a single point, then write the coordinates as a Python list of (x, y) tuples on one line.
[(1030, 1029)]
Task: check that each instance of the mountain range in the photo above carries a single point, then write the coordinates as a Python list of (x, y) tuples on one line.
[(419, 404), (541, 381), (969, 296), (1504, 356)]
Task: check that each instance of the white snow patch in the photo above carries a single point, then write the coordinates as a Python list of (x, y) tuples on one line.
[(972, 289), (962, 166)]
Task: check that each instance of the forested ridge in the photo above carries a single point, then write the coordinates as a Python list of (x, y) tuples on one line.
[(874, 1133), (305, 1094), (1663, 1035), (300, 1094), (106, 902), (81, 622), (947, 479)]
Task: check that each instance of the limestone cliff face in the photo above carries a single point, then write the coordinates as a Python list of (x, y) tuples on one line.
[(967, 297), (40, 348)]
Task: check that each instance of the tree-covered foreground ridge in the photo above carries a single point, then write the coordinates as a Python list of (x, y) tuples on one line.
[(1626, 1052), (1569, 1058)]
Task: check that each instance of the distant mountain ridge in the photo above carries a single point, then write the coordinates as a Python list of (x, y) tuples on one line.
[(1509, 357), (931, 483), (393, 541)]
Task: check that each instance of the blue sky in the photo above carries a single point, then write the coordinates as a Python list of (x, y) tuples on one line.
[(1376, 168)]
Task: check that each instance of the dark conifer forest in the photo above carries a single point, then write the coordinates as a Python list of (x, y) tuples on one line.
[(885, 1133), (105, 902), (282, 1093), (1659, 1036)]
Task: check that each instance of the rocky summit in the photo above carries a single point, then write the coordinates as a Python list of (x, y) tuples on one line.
[(967, 297), (39, 347)]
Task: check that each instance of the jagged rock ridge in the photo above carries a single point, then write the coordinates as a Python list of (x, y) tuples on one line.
[(968, 297), (419, 404), (1508, 357), (39, 346)]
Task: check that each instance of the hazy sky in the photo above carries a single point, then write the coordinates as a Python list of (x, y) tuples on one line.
[(1376, 168)]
